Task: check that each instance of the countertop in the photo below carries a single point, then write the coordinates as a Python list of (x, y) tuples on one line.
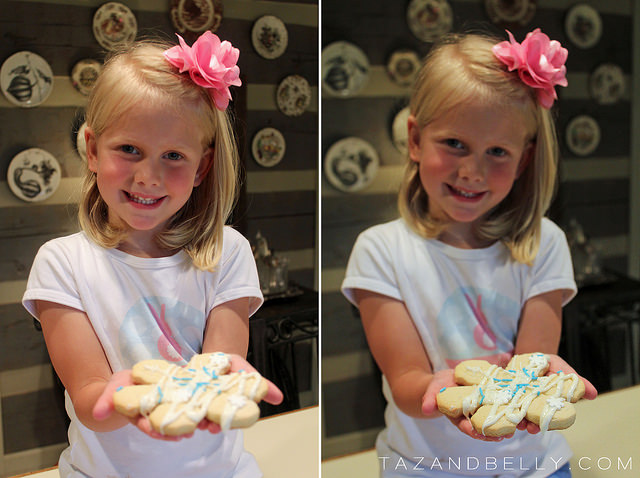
[(285, 446), (604, 440)]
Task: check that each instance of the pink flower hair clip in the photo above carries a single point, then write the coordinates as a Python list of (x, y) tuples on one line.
[(539, 61), (211, 64)]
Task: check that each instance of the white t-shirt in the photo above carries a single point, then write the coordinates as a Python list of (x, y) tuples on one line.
[(465, 303), (145, 308)]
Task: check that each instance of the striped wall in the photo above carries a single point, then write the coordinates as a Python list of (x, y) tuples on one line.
[(594, 189), (280, 202)]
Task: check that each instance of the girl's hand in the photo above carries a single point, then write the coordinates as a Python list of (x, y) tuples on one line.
[(274, 395), (441, 379), (104, 407)]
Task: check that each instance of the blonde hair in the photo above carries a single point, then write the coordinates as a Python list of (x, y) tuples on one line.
[(461, 69), (141, 74)]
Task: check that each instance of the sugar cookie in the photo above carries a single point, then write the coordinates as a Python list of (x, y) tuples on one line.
[(496, 399), (176, 399)]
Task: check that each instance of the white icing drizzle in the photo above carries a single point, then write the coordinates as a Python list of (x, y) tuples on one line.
[(510, 397), (189, 391)]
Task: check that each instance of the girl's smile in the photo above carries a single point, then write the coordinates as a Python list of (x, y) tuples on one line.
[(147, 163)]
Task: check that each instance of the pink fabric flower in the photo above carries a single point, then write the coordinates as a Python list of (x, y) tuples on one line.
[(210, 63), (539, 61)]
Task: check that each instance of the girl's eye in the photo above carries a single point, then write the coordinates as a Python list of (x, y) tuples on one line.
[(454, 143), (128, 149), (497, 152), (173, 156)]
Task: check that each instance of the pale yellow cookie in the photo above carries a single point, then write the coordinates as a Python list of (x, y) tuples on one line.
[(176, 399), (496, 400)]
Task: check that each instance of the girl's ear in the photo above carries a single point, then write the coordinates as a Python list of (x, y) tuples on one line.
[(527, 157), (92, 149), (413, 140), (205, 165)]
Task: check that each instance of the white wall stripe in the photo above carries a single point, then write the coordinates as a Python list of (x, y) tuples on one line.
[(336, 368), (260, 97), (281, 181), (11, 293), (26, 380)]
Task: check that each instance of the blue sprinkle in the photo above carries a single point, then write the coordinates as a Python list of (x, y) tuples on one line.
[(443, 389), (481, 395), (119, 388)]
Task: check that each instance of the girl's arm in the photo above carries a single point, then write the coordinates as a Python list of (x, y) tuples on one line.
[(397, 349), (399, 352), (227, 331), (79, 361), (539, 331)]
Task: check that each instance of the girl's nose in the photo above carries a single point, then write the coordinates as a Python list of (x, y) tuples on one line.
[(147, 173), (471, 168)]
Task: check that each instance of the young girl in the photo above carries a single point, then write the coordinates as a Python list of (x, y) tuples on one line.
[(472, 269), (154, 273)]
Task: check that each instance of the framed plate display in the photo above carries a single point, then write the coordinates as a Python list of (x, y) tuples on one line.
[(33, 175), (114, 25), (403, 67), (195, 16), (269, 37), (583, 25), (582, 135), (268, 147), (293, 95), (351, 164), (345, 69), (607, 84), (399, 130), (26, 79), (510, 13), (429, 19), (84, 75)]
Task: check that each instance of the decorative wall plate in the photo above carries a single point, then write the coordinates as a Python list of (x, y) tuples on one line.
[(582, 135), (399, 130), (403, 67), (583, 25), (269, 37), (607, 84), (114, 25), (84, 75), (429, 19), (351, 164), (510, 13), (33, 175), (81, 143), (293, 95), (268, 147), (26, 79), (195, 16), (345, 69)]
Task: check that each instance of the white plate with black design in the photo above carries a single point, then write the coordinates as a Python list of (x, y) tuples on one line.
[(345, 69), (429, 19), (268, 147), (583, 135), (399, 130), (351, 164), (514, 13), (583, 26), (607, 84), (195, 16), (293, 95), (84, 75), (403, 67), (114, 25), (26, 79), (269, 37), (34, 175)]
